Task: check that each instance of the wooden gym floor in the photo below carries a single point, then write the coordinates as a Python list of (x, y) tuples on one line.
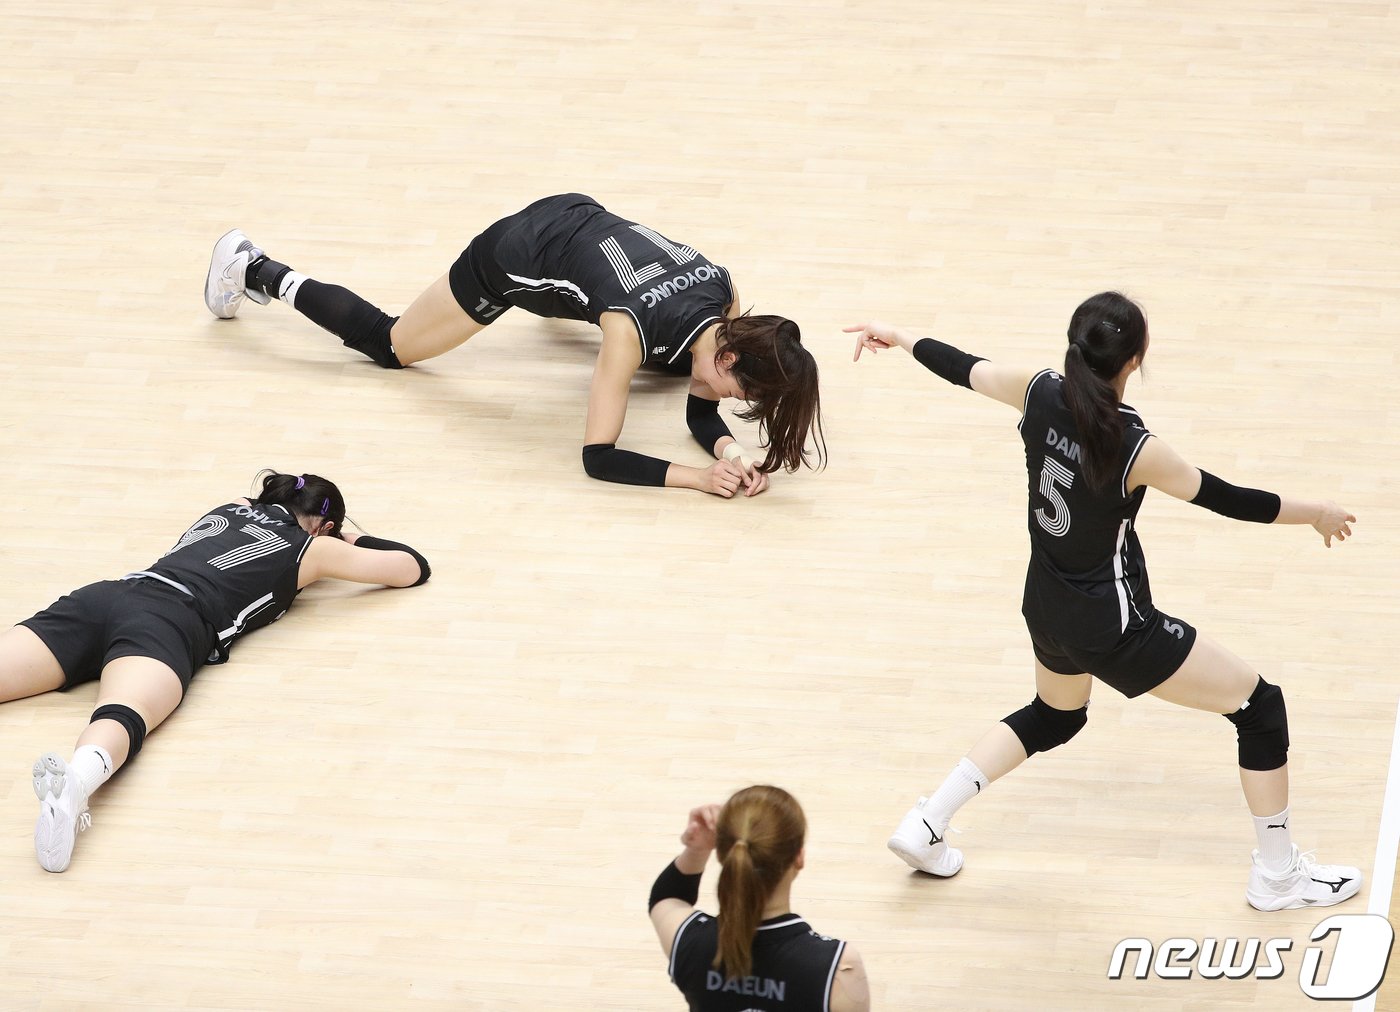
[(457, 797)]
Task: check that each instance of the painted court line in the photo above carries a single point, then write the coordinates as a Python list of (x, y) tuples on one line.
[(1387, 842)]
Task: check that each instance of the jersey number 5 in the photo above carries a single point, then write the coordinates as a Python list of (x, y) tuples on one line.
[(1054, 474)]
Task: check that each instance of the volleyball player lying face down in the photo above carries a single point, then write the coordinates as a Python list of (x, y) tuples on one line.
[(658, 303), (144, 636), (1087, 602)]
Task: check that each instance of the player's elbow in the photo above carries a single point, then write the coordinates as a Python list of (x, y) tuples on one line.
[(410, 569)]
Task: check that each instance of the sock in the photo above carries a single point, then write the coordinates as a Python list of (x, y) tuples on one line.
[(288, 285), (93, 765), (963, 784), (1275, 841)]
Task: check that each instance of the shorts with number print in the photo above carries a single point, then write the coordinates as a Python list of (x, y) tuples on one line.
[(1145, 657), (504, 265)]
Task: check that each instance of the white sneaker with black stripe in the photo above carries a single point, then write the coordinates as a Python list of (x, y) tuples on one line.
[(923, 849), (224, 287), (1304, 883), (63, 812)]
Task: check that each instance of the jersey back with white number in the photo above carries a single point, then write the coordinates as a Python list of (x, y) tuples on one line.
[(240, 563), (794, 968), (1087, 577), (586, 261)]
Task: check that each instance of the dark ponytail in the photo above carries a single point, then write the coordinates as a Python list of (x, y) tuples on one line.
[(1106, 332), (759, 833), (779, 379), (306, 495)]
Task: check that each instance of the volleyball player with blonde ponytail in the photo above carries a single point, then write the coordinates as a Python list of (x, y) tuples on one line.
[(757, 954)]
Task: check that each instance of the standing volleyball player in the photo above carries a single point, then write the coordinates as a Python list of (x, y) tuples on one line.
[(658, 303), (145, 635), (757, 954), (1087, 602)]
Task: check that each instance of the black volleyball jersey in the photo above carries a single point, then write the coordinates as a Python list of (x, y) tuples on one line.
[(793, 967), (1087, 577), (240, 565), (592, 262)]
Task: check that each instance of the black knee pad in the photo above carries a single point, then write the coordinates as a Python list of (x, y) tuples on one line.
[(368, 333), (1263, 729), (1041, 727), (127, 718)]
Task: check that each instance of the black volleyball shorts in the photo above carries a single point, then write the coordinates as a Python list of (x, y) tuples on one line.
[(96, 624), (1141, 660), (513, 262)]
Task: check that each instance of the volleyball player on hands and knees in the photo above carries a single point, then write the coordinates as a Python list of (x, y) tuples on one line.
[(757, 947), (144, 636), (1087, 602), (657, 303)]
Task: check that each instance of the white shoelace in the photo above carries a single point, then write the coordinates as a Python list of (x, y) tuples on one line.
[(1305, 863)]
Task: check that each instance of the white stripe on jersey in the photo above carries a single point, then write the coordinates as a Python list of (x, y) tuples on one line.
[(143, 575), (676, 943), (1120, 584), (1026, 402), (681, 254), (794, 919), (831, 977), (559, 285), (641, 334), (686, 343), (1132, 459), (241, 619), (265, 542), (626, 273)]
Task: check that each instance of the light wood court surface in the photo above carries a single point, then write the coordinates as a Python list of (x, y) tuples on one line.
[(457, 797)]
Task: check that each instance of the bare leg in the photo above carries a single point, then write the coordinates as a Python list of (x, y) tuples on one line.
[(27, 667), (146, 685), (433, 324), (1214, 679), (999, 751)]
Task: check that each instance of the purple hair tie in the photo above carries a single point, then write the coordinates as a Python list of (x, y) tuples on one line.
[(300, 483), (326, 506)]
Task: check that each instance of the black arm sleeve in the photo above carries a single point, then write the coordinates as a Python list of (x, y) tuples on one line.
[(1237, 503), (674, 884), (383, 545), (606, 462), (702, 415), (946, 361)]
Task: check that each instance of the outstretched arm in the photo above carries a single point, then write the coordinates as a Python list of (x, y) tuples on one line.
[(1001, 383), (676, 889), (619, 358), (1161, 467), (362, 559)]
